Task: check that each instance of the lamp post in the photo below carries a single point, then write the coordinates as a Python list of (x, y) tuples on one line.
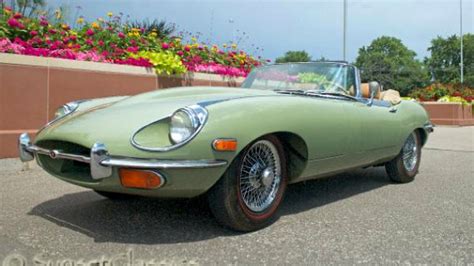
[(461, 64), (344, 29)]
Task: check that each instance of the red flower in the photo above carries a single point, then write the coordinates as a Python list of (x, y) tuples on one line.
[(121, 35), (187, 48), (44, 23), (457, 94), (180, 53), (13, 23), (52, 31), (89, 42), (101, 43), (17, 16), (165, 46), (73, 37), (33, 33), (90, 32)]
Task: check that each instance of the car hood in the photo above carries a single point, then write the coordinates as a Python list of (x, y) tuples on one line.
[(115, 122)]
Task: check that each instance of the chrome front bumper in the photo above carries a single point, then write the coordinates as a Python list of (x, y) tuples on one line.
[(101, 162), (429, 127)]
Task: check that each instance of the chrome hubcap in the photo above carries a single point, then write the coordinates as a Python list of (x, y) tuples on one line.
[(410, 153), (260, 176)]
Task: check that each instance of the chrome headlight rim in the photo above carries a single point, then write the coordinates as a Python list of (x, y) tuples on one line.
[(67, 109), (198, 114), (70, 108)]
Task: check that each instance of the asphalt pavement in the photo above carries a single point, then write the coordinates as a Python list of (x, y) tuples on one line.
[(357, 217)]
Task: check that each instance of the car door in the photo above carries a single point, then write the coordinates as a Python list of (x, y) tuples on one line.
[(379, 129)]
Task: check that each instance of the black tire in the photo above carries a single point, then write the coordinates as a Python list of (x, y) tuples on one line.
[(225, 197), (114, 195), (397, 170)]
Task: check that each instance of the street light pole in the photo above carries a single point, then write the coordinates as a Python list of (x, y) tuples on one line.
[(344, 29), (461, 64)]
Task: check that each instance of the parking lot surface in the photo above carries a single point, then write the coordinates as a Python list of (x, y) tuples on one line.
[(357, 217)]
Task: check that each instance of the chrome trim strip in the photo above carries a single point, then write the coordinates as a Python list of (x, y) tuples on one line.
[(101, 162), (358, 93), (161, 164), (202, 119)]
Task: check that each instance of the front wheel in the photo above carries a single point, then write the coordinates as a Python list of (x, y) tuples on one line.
[(404, 167), (247, 196)]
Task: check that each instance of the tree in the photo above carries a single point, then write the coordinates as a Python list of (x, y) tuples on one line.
[(294, 56), (392, 64), (445, 59)]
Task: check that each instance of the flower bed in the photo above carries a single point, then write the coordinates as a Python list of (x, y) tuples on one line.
[(444, 93), (111, 41)]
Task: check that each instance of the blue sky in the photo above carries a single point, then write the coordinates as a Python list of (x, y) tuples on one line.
[(314, 26)]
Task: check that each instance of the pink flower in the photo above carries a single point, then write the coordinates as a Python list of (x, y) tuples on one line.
[(180, 53), (89, 42), (187, 48), (165, 46), (90, 32), (73, 37), (101, 43), (44, 22), (132, 49), (6, 46), (33, 33), (121, 35), (52, 31)]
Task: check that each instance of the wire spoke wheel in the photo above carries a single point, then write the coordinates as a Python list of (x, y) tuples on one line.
[(260, 176), (410, 153)]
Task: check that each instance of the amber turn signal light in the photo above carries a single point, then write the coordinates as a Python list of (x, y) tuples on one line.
[(225, 144), (145, 179)]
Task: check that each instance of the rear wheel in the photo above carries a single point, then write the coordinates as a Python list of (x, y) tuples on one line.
[(247, 196), (404, 167)]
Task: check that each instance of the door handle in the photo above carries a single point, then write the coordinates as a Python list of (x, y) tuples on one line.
[(393, 109)]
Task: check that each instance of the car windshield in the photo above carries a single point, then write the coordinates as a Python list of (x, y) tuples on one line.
[(324, 77)]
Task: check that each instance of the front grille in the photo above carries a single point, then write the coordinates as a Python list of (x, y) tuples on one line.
[(62, 167)]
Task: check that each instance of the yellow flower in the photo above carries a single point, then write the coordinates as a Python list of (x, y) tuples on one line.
[(95, 25), (224, 45), (234, 45), (58, 14), (154, 34), (110, 14), (177, 40), (80, 20), (7, 11), (193, 39)]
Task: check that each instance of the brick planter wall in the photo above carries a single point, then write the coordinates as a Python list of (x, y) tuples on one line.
[(449, 113), (32, 88)]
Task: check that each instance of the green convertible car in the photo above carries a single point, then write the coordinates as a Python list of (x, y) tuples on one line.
[(240, 146)]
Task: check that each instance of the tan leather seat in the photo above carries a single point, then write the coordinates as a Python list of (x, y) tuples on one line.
[(364, 89), (391, 96)]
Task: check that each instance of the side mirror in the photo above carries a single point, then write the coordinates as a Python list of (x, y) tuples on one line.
[(374, 89)]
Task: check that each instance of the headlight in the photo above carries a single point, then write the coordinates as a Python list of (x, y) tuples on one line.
[(65, 110), (186, 122)]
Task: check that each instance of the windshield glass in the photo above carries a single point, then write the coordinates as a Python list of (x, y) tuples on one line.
[(318, 76)]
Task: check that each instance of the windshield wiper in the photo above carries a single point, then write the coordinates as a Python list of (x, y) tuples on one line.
[(289, 91), (331, 94)]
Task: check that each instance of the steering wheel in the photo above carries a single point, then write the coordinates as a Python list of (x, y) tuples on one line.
[(338, 88)]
